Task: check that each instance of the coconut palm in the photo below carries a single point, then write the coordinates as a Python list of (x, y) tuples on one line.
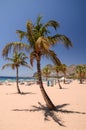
[(81, 71), (63, 69), (17, 60), (40, 43), (46, 72), (84, 73), (57, 68)]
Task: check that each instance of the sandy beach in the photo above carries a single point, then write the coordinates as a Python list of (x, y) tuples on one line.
[(29, 112)]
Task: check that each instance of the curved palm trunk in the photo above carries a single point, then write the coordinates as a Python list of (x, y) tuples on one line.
[(17, 81), (49, 103)]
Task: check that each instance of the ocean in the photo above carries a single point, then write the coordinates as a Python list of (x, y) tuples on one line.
[(13, 79)]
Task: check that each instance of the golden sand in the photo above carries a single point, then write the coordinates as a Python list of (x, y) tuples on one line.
[(29, 112)]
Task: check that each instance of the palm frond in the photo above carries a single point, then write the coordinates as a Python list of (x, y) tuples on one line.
[(39, 19), (21, 34), (29, 27), (8, 65), (7, 49), (30, 32), (22, 56), (52, 39), (51, 54), (15, 46), (32, 57), (53, 24), (65, 40), (10, 59), (26, 65)]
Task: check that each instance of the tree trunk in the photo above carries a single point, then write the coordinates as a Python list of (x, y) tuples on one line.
[(64, 80), (17, 81), (59, 84), (64, 77), (81, 80), (49, 103)]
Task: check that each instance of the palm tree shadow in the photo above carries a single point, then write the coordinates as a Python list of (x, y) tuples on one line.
[(53, 114), (48, 113), (22, 93), (67, 111), (25, 93)]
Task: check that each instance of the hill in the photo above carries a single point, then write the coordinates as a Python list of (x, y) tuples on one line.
[(70, 70)]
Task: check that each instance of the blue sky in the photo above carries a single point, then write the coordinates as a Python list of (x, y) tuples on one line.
[(69, 13)]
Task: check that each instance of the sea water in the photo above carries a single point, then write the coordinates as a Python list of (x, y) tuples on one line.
[(13, 79)]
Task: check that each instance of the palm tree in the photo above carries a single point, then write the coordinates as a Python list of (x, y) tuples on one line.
[(81, 71), (40, 43), (63, 69), (57, 68), (46, 72), (17, 60), (84, 73)]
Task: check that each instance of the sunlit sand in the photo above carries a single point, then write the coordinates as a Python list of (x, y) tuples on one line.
[(29, 112)]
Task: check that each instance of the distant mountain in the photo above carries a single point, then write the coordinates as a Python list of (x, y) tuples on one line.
[(70, 70)]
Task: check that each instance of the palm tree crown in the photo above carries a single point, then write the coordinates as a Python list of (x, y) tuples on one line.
[(46, 72), (81, 71), (17, 60), (40, 43)]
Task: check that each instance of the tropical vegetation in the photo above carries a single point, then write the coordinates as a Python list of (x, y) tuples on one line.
[(15, 62), (63, 69), (40, 42), (81, 72), (46, 72)]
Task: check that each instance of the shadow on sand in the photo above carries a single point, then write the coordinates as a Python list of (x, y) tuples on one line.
[(50, 113), (22, 93)]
